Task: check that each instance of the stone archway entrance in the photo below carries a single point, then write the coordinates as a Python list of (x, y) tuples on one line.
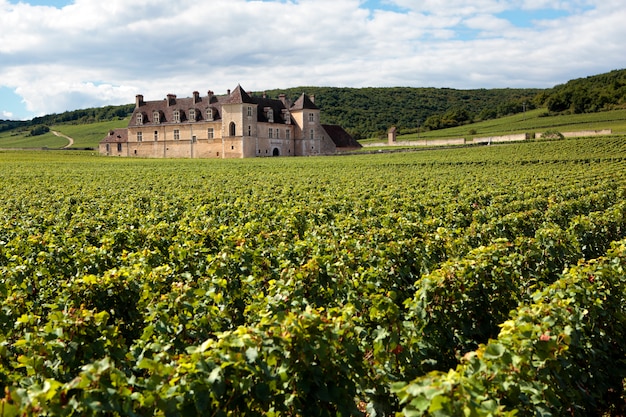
[(275, 152)]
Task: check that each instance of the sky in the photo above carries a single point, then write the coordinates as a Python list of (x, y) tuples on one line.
[(58, 55)]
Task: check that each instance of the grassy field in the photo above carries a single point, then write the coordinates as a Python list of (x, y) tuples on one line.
[(85, 136), (535, 121), (21, 139)]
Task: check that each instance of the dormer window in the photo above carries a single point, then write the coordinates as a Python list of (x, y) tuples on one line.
[(139, 118), (192, 115), (287, 117), (270, 116), (176, 116), (209, 114)]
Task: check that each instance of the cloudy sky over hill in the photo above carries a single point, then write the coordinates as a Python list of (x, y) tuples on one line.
[(58, 55)]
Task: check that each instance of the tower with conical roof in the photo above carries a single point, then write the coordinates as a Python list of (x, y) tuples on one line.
[(309, 132), (239, 124)]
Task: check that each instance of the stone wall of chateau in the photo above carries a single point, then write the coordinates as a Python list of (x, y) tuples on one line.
[(159, 130)]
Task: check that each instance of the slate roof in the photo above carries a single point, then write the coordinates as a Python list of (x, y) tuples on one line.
[(340, 137), (304, 102), (116, 136), (166, 107), (238, 96)]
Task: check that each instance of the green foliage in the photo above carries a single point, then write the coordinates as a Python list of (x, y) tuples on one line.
[(369, 112), (371, 284), (552, 134), (560, 354), (587, 95), (39, 130)]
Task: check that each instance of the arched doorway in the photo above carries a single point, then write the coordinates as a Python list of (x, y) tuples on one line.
[(231, 129), (275, 152)]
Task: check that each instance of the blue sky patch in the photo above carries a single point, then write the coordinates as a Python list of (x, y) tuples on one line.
[(381, 5), (9, 101), (55, 3), (527, 18)]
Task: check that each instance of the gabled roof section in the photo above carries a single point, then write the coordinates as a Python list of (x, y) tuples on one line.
[(238, 96), (116, 136), (166, 108), (277, 107), (340, 137), (304, 102)]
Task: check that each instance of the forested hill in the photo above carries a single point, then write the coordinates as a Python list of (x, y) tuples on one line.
[(368, 112), (587, 95), (83, 116), (365, 112)]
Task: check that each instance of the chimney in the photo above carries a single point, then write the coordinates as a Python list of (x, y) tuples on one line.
[(228, 92), (196, 96), (171, 99), (139, 100), (281, 97), (210, 95)]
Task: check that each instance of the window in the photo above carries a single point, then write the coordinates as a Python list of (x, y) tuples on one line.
[(176, 116), (312, 134), (311, 117), (209, 115), (277, 134), (139, 119), (231, 129), (192, 115), (210, 133), (176, 134), (194, 139), (270, 116), (156, 117), (287, 118), (156, 135), (139, 136), (119, 147), (249, 111), (249, 130), (287, 134), (271, 133)]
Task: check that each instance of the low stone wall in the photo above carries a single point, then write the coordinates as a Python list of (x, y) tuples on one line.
[(583, 133), (422, 142), (499, 139)]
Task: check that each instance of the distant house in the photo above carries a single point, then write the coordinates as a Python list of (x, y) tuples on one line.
[(236, 125)]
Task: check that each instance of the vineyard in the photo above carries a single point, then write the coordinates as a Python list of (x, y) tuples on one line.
[(477, 281)]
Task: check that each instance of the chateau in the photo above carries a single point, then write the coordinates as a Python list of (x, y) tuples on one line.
[(236, 125)]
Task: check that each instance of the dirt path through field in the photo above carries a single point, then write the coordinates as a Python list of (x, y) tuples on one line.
[(55, 133)]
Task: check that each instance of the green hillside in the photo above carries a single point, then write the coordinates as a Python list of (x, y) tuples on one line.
[(368, 112), (85, 135), (587, 103), (534, 121)]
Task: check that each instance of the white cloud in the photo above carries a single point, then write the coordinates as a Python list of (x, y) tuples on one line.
[(7, 115), (92, 53)]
